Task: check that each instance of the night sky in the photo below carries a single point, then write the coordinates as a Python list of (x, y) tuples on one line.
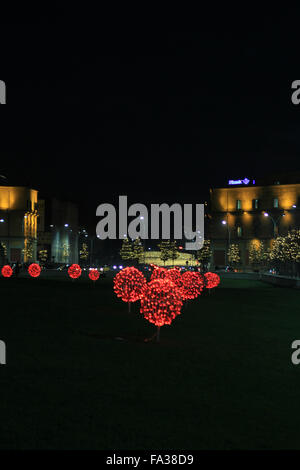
[(160, 115)]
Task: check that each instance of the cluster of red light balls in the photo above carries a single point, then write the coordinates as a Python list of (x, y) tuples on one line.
[(34, 270), (161, 298)]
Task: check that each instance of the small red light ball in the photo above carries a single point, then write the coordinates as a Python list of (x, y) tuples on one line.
[(94, 274), (6, 271), (34, 270), (74, 271), (212, 280)]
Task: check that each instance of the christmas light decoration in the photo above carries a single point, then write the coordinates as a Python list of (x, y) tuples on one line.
[(74, 271), (128, 284), (6, 271), (212, 280), (161, 302), (257, 252), (34, 270), (175, 276), (192, 285), (234, 256), (94, 274)]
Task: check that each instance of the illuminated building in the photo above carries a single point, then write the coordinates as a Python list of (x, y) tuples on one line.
[(246, 213), (18, 223), (153, 257), (58, 230)]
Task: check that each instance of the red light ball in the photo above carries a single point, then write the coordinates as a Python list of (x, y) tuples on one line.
[(212, 280), (128, 284), (161, 302), (34, 270), (175, 276), (74, 271), (94, 274), (192, 285), (6, 271)]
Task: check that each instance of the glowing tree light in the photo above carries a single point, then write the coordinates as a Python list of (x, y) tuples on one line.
[(94, 274), (192, 285), (161, 302), (6, 271), (34, 270), (128, 285), (74, 271), (212, 280)]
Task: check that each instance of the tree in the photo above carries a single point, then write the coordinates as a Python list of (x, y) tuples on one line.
[(168, 250), (233, 254), (285, 252), (28, 250), (126, 251), (257, 253), (165, 253), (278, 251), (65, 252), (173, 251), (138, 250), (204, 255), (2, 254), (84, 253), (43, 255)]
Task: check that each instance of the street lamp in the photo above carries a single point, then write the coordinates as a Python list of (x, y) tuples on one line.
[(225, 222), (275, 222)]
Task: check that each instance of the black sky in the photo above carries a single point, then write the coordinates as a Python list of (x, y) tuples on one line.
[(95, 110)]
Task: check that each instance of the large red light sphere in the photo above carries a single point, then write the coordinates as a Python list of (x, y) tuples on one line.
[(175, 276), (161, 302), (192, 285), (94, 274), (34, 270), (6, 271), (212, 280), (74, 271), (128, 284)]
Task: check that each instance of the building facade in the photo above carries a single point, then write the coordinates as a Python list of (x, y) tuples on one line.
[(245, 213), (18, 223)]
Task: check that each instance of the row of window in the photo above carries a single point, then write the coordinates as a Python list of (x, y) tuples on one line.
[(256, 203)]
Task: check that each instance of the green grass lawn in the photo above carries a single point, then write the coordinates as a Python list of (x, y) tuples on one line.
[(221, 378)]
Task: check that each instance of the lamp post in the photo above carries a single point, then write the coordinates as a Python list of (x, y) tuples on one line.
[(275, 222), (225, 222)]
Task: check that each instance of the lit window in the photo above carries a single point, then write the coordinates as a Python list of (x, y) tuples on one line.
[(255, 204), (275, 202), (238, 204), (239, 231)]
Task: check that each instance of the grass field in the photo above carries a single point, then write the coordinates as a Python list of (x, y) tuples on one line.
[(221, 378)]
